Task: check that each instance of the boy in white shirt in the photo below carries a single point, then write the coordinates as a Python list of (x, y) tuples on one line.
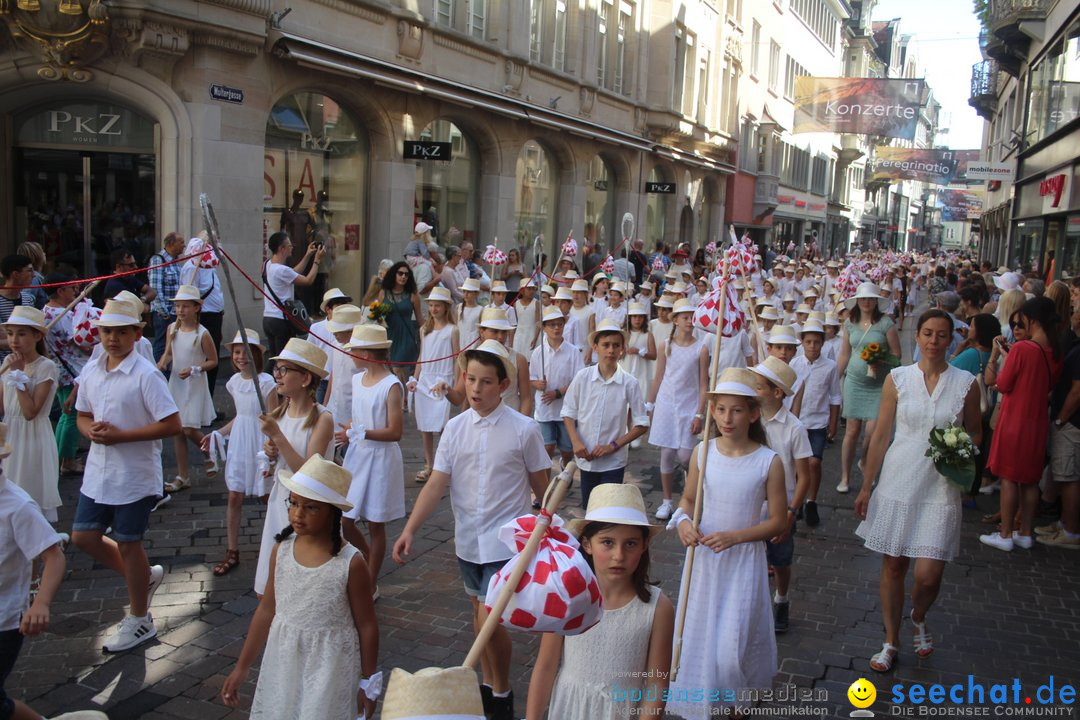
[(595, 411), (788, 439), (489, 457), (125, 410), (553, 364), (818, 406)]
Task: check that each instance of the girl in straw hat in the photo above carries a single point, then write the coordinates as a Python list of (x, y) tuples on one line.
[(191, 352), (438, 345), (29, 385), (640, 350), (468, 312), (494, 325), (374, 457), (296, 430), (243, 477), (527, 312), (629, 652), (728, 638), (316, 619)]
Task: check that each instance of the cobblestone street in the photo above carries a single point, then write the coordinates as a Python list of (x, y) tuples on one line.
[(1000, 616)]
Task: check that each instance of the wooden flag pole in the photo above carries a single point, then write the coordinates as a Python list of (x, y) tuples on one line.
[(78, 299)]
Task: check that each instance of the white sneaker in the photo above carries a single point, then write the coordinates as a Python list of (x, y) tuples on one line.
[(157, 575), (81, 715), (991, 488), (132, 632), (1024, 542), (842, 488), (664, 511), (163, 501), (995, 540)]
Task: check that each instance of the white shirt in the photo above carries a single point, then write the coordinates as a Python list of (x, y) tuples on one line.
[(733, 350), (489, 460), (24, 534), (316, 334), (575, 334), (142, 346), (279, 279), (831, 348), (208, 284), (558, 368), (788, 439), (133, 395), (599, 407), (822, 389), (618, 314)]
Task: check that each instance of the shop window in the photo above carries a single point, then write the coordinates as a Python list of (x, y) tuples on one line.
[(535, 198), (1069, 265), (447, 191), (600, 204), (656, 210), (1054, 94), (314, 145)]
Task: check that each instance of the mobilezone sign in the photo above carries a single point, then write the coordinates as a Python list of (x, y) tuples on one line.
[(863, 106)]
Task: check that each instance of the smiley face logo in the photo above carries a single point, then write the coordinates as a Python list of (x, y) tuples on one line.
[(862, 693)]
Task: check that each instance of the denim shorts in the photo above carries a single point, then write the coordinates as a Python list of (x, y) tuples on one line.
[(555, 434), (477, 576), (128, 521), (782, 554), (818, 440)]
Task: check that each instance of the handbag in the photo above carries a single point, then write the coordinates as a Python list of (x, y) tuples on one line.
[(294, 308), (987, 399)]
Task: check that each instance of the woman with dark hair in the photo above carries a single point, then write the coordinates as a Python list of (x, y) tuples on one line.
[(938, 283), (1018, 451), (974, 356), (402, 325)]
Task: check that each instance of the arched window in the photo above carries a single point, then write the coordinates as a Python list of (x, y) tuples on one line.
[(600, 205), (535, 197), (447, 189), (656, 209)]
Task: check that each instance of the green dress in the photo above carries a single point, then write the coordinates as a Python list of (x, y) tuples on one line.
[(862, 393), (402, 330)]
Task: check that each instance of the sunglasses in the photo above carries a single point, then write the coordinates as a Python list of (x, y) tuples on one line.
[(403, 273), (1017, 325)]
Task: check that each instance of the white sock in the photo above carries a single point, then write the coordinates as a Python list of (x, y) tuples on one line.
[(779, 599), (500, 695)]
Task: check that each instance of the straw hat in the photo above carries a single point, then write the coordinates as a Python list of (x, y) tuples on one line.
[(777, 372), (346, 317), (499, 350), (470, 285), (308, 356), (818, 316), (130, 297), (564, 293), (782, 335), (319, 479), (665, 301), (832, 319), (647, 285), (580, 285), (118, 313), (571, 275), (789, 298), (552, 313), (768, 313), (682, 305), (27, 316), (832, 264), (5, 449), (496, 286), (812, 326), (597, 278), (432, 693), (619, 287), (331, 295), (867, 290), (735, 381), (441, 294), (530, 283), (678, 288), (187, 292), (804, 308), (547, 290), (252, 339), (620, 504), (368, 336), (670, 276), (494, 318), (811, 292), (637, 309), (607, 325)]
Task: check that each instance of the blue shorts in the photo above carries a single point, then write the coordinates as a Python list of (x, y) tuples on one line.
[(555, 434), (818, 439), (128, 521), (782, 554), (477, 576)]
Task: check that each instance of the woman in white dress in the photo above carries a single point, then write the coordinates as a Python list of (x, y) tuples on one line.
[(439, 344), (915, 512), (640, 352), (527, 309)]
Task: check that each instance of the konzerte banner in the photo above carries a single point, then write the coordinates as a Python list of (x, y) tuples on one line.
[(864, 106), (939, 167)]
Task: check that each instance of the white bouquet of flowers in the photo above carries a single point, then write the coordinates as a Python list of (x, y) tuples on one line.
[(953, 453)]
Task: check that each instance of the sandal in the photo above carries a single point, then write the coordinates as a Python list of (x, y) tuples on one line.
[(180, 483), (991, 518), (232, 559), (423, 475), (883, 661), (923, 641)]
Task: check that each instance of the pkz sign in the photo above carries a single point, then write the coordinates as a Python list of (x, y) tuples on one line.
[(427, 150), (660, 188), (85, 124), (226, 93)]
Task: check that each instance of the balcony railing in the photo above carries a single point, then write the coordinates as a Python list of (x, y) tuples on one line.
[(1004, 13), (766, 191), (984, 88)]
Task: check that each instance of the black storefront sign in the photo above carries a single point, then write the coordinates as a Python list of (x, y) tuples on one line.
[(425, 150), (226, 93), (660, 188)]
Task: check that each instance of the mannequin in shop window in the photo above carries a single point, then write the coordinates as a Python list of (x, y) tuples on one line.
[(324, 237)]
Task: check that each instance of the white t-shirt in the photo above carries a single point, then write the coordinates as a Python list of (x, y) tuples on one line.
[(279, 278), (24, 534)]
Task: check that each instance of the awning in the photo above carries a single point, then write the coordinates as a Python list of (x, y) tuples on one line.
[(313, 54)]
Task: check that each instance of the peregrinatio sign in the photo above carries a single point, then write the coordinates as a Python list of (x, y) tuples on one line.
[(864, 106)]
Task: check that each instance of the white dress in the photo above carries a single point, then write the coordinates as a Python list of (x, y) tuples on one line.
[(246, 438), (468, 325), (527, 322), (432, 411), (614, 652), (677, 399), (661, 333), (728, 639), (511, 396), (377, 491), (636, 365), (34, 464), (733, 351), (914, 511), (342, 370), (191, 394), (312, 663), (277, 517)]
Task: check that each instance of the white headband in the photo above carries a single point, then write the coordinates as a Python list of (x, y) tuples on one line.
[(290, 356), (619, 515), (117, 319), (329, 495), (733, 388)]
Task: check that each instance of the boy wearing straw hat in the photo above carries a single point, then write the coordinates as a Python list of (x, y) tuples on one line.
[(125, 410), (595, 411), (490, 457), (552, 366)]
